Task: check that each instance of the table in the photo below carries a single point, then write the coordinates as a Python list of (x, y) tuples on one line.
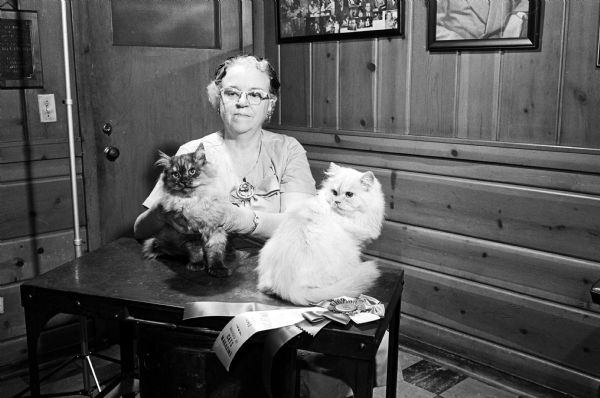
[(115, 282)]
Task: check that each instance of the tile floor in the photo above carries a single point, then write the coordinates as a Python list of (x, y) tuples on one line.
[(418, 378)]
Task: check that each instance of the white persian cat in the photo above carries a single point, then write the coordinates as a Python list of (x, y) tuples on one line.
[(314, 254)]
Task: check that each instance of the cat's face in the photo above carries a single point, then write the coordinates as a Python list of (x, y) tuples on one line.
[(347, 190), (183, 173)]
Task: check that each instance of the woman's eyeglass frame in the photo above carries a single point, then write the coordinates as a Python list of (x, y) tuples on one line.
[(253, 96)]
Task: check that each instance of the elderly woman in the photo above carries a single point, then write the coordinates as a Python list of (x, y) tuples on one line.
[(268, 172)]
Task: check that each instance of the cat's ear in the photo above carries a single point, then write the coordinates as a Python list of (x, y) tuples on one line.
[(200, 152), (367, 179), (163, 160), (332, 170)]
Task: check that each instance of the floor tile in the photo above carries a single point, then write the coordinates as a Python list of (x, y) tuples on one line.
[(431, 377), (406, 359)]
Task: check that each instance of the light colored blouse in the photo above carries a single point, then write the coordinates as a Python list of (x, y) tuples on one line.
[(281, 167)]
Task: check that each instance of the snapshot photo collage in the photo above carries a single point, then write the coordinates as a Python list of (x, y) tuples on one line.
[(322, 17)]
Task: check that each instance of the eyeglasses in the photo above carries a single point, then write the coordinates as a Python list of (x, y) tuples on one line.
[(254, 96)]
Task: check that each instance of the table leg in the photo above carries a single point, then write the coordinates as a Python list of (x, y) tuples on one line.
[(362, 379), (392, 366), (127, 358), (33, 326)]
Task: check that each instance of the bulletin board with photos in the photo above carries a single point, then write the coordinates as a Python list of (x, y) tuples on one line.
[(319, 20)]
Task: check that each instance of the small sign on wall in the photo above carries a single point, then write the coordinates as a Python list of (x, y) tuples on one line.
[(20, 61), (159, 23)]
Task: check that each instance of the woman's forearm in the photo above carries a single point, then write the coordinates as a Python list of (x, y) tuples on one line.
[(148, 224)]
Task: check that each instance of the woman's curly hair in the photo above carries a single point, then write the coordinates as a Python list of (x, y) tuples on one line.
[(212, 90)]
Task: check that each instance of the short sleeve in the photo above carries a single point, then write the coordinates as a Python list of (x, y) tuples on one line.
[(154, 196), (297, 176)]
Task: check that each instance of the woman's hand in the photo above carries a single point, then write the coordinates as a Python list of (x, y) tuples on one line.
[(239, 220)]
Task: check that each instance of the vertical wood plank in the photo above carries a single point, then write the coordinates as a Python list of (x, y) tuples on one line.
[(477, 92), (325, 88), (270, 51), (247, 26), (391, 85), (258, 28), (356, 85), (432, 84), (528, 104), (295, 84), (581, 99)]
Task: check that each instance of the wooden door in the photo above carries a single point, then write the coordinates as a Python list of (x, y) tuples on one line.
[(139, 99)]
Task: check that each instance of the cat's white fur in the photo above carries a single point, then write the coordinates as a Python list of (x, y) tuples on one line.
[(315, 253)]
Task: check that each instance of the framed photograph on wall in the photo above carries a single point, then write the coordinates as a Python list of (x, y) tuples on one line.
[(319, 20), (457, 25)]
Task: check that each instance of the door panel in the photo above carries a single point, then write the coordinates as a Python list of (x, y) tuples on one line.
[(153, 98)]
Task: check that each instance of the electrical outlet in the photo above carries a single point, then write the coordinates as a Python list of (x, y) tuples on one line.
[(47, 108), (1, 305)]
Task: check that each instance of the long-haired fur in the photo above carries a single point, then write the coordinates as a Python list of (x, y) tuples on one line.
[(315, 253)]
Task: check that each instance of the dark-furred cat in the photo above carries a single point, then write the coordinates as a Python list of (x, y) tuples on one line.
[(192, 193)]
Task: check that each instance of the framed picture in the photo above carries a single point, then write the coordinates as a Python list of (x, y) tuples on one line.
[(457, 25), (20, 51), (318, 20)]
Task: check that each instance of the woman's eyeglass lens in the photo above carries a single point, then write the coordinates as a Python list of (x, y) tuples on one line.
[(254, 97)]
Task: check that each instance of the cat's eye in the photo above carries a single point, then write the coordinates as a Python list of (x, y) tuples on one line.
[(334, 192), (192, 171), (175, 174), (349, 194)]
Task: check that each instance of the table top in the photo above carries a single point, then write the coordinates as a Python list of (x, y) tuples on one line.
[(117, 272)]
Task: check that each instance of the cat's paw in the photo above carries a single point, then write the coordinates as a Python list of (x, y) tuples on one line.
[(150, 249), (219, 270), (195, 266), (265, 287)]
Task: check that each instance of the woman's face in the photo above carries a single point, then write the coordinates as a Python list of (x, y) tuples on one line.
[(240, 116)]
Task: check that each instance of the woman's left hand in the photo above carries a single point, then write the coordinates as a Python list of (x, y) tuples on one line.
[(238, 219)]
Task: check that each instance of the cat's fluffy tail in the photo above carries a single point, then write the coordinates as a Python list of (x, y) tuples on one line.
[(354, 283)]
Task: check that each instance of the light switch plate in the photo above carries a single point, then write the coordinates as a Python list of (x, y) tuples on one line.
[(47, 108)]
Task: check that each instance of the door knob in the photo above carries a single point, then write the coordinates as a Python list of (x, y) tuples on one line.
[(111, 153)]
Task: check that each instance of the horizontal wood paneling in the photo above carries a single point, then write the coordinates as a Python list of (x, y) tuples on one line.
[(560, 279), (528, 176), (37, 207), (550, 374), (550, 157), (40, 150), (551, 331), (20, 171), (552, 221), (24, 258)]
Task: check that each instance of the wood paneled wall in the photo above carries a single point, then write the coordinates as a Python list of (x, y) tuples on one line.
[(490, 163), (36, 222)]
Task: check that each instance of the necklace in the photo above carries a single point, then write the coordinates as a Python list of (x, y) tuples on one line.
[(245, 190)]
